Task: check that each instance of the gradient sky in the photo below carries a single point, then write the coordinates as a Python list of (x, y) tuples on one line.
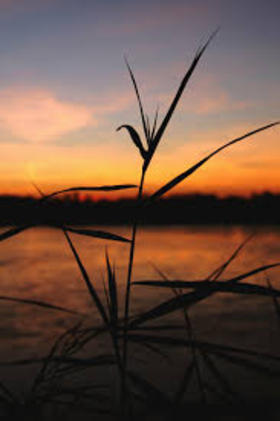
[(64, 89)]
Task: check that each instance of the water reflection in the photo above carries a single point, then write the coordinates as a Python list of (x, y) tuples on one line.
[(38, 264)]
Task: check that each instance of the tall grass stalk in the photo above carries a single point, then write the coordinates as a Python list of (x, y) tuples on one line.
[(152, 139), (129, 328)]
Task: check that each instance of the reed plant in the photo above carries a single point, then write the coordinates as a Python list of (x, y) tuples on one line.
[(125, 328)]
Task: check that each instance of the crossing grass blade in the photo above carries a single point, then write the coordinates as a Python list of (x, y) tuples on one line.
[(141, 109), (213, 348), (220, 270), (155, 349), (189, 299), (220, 377), (14, 231), (216, 286), (274, 299), (97, 234), (164, 124), (154, 125), (112, 286), (175, 181), (248, 364), (89, 285), (135, 138), (115, 187), (97, 360), (184, 384), (153, 394), (39, 304)]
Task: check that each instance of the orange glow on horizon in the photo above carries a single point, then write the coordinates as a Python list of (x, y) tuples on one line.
[(244, 169)]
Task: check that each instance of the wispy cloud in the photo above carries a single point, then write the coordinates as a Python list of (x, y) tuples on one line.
[(38, 115), (206, 97)]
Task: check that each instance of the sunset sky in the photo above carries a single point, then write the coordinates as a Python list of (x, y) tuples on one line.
[(64, 89)]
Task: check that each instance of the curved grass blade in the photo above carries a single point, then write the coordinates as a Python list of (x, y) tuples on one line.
[(97, 234), (113, 296), (156, 350), (8, 396), (171, 184), (39, 304), (275, 301), (216, 286), (154, 124), (189, 299), (176, 99), (220, 377), (135, 138), (184, 383), (248, 364), (220, 270), (89, 188), (152, 392), (138, 99), (14, 231), (89, 285), (98, 360), (209, 347)]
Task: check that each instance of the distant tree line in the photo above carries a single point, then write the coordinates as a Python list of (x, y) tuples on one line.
[(187, 209)]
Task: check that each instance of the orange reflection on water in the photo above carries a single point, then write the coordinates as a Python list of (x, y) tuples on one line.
[(38, 264)]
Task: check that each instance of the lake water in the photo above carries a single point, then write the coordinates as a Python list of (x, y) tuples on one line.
[(38, 264)]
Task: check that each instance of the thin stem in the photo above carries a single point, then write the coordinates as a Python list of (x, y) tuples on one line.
[(106, 321), (128, 284), (132, 248)]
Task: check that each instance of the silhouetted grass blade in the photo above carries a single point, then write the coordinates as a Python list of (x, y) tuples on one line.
[(154, 125), (106, 293), (221, 378), (176, 99), (138, 99), (98, 360), (156, 350), (189, 299), (153, 394), (8, 396), (210, 347), (89, 285), (215, 286), (275, 301), (38, 303), (97, 234), (135, 138), (184, 383), (13, 231), (171, 184), (115, 187), (248, 364), (220, 270), (113, 296)]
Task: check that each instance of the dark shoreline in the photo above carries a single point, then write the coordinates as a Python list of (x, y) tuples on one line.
[(195, 209)]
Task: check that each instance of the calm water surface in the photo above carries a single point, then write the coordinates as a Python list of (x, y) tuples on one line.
[(38, 265)]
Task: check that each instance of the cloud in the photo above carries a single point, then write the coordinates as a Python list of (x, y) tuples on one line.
[(206, 97), (38, 115), (214, 103)]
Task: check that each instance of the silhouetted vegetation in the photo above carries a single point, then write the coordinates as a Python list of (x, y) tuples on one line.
[(61, 382), (185, 209)]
